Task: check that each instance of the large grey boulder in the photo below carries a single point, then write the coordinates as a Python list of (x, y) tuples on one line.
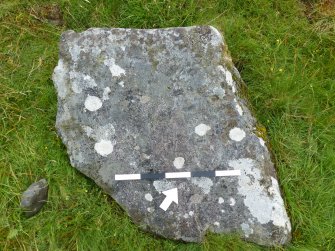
[(136, 101)]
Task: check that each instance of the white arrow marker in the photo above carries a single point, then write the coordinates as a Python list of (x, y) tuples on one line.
[(171, 196)]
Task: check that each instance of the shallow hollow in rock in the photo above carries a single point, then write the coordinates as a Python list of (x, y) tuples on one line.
[(134, 101)]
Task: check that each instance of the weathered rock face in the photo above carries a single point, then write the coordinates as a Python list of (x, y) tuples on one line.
[(153, 101)]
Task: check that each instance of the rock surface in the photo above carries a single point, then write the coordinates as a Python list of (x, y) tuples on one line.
[(33, 199), (165, 100)]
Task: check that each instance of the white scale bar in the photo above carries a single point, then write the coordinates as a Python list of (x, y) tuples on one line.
[(228, 173), (178, 175), (128, 176)]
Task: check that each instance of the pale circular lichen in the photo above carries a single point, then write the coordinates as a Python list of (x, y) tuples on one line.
[(201, 129), (104, 147), (93, 103), (236, 134), (179, 162)]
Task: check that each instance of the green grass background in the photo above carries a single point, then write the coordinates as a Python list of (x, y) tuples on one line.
[(285, 51)]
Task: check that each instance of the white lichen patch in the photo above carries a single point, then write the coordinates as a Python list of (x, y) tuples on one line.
[(80, 81), (229, 78), (163, 185), (150, 209), (239, 109), (89, 80), (179, 162), (204, 183), (261, 141), (271, 190), (219, 92), (216, 223), (233, 88), (221, 68), (221, 200), (246, 229), (236, 134), (186, 215), (232, 202), (88, 130), (75, 51), (216, 38), (92, 103), (105, 94), (104, 132), (96, 51), (104, 147), (60, 78), (121, 83), (148, 197), (256, 198), (201, 129), (190, 213), (279, 216), (115, 69), (145, 156), (115, 39)]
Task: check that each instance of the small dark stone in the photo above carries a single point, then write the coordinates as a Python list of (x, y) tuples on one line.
[(34, 197)]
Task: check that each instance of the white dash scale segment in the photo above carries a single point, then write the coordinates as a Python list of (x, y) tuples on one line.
[(221, 173), (128, 176)]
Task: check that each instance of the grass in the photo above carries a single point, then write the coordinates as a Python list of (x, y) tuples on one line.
[(285, 51)]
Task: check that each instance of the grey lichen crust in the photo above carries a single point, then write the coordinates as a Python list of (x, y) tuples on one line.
[(165, 100)]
